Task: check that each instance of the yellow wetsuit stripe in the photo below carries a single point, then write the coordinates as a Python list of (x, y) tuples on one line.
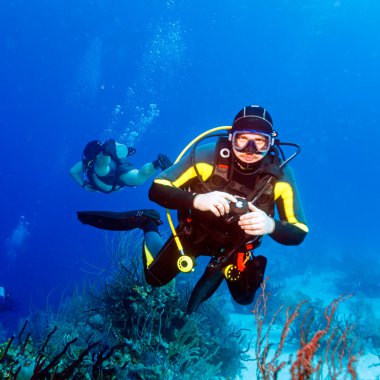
[(205, 171), (148, 256), (164, 182), (285, 191)]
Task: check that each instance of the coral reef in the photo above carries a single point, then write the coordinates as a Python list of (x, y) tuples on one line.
[(125, 329), (327, 348), (119, 327), (24, 361)]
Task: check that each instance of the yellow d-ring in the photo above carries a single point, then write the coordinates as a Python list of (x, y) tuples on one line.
[(231, 272), (185, 264)]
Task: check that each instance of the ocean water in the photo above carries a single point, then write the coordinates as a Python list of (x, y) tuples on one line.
[(158, 73)]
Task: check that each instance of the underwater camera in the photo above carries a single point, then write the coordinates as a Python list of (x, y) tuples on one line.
[(236, 210)]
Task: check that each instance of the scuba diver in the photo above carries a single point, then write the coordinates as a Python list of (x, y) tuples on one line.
[(226, 193), (6, 302), (105, 167)]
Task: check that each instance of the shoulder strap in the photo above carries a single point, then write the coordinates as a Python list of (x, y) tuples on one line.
[(222, 160), (221, 164)]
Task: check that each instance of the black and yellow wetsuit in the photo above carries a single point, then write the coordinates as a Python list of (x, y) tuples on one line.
[(202, 233)]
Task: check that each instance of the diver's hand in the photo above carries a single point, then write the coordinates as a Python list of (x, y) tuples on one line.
[(217, 202), (256, 222)]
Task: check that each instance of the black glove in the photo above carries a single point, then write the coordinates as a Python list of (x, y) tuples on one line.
[(162, 162)]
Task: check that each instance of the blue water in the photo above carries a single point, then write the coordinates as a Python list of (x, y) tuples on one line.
[(76, 70)]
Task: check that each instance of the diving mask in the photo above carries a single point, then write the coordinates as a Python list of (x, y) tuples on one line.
[(250, 141)]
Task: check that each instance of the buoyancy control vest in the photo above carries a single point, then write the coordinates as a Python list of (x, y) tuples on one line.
[(256, 185), (253, 184), (112, 178)]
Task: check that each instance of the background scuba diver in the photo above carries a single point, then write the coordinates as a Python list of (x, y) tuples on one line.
[(6, 303), (225, 194), (105, 167)]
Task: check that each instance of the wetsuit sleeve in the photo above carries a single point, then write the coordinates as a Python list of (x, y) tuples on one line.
[(171, 197), (291, 227), (170, 188)]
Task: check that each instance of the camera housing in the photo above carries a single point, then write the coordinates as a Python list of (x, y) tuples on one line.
[(236, 210)]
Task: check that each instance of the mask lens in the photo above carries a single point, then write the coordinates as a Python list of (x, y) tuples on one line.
[(242, 140)]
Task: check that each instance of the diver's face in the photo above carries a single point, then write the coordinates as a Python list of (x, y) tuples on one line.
[(250, 156)]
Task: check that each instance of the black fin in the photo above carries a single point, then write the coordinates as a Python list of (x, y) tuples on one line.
[(119, 221)]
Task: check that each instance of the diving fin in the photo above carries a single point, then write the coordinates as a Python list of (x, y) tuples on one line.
[(119, 221)]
